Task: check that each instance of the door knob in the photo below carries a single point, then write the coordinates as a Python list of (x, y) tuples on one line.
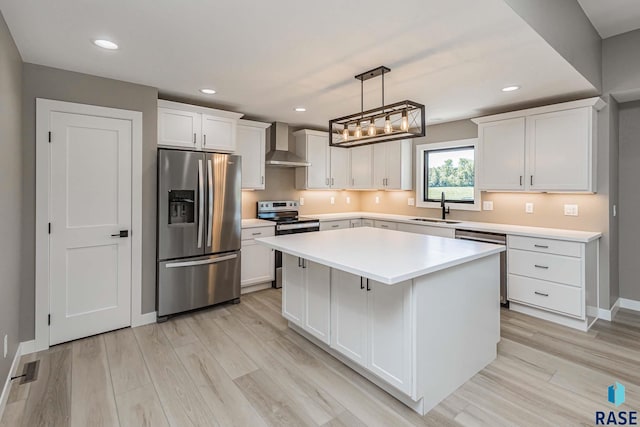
[(122, 233)]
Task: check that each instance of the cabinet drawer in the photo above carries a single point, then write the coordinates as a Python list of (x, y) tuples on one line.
[(388, 225), (551, 296), (554, 268), (257, 232), (335, 225), (558, 247)]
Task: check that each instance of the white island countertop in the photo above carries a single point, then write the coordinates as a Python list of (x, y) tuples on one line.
[(383, 255)]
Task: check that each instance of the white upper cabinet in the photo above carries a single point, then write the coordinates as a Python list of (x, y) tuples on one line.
[(196, 128), (392, 165), (551, 148), (329, 165), (501, 155), (250, 144), (362, 167), (313, 146), (340, 159), (561, 150), (177, 128)]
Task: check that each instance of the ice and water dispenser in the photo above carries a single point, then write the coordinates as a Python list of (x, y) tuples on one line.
[(181, 207)]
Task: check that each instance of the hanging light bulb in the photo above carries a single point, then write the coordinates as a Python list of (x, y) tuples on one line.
[(387, 125), (345, 133), (358, 132), (372, 128), (404, 124)]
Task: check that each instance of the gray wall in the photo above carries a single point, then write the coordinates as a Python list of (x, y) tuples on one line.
[(51, 83), (11, 211), (565, 26), (621, 66), (629, 208)]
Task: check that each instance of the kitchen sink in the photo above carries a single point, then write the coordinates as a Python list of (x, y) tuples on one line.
[(441, 221)]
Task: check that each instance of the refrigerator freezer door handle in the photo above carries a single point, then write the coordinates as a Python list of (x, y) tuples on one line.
[(200, 202), (210, 217), (202, 261)]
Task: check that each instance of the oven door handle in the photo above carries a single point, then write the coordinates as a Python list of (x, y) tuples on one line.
[(476, 239), (298, 226)]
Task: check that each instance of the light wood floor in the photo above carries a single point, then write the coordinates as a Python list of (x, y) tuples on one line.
[(239, 365)]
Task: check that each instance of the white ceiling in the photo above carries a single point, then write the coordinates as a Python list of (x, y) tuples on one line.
[(612, 17), (266, 57)]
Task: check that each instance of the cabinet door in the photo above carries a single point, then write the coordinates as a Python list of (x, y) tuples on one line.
[(361, 167), (257, 264), (387, 225), (178, 128), (559, 154), (218, 133), (293, 289), (335, 225), (317, 300), (367, 223), (355, 223), (348, 316), (339, 167), (379, 165), (501, 155), (251, 146), (390, 333), (318, 155)]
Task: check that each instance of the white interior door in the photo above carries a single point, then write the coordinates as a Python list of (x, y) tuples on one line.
[(90, 199)]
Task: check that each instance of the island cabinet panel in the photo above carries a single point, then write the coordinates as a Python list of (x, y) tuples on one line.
[(349, 316), (390, 333), (317, 300), (293, 289), (305, 295)]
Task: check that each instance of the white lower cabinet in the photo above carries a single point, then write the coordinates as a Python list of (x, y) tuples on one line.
[(388, 225), (428, 230), (354, 223), (371, 324), (257, 261), (335, 225), (305, 295)]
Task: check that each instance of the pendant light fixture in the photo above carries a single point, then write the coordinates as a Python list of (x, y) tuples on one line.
[(402, 120)]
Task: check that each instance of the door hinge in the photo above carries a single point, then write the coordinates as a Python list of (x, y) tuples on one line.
[(49, 228), (49, 136), (49, 319)]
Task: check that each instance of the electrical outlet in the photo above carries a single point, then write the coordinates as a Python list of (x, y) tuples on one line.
[(348, 200), (377, 200), (528, 207), (411, 201), (332, 200), (615, 211), (301, 201), (487, 206), (6, 345), (571, 210)]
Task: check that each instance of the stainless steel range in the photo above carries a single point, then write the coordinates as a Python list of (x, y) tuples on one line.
[(285, 214)]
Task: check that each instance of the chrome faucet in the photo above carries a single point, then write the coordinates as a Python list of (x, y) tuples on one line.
[(445, 211)]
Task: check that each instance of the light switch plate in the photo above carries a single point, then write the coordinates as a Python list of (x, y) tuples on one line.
[(487, 206), (571, 210), (332, 200), (348, 200), (301, 201), (6, 345), (377, 200), (411, 201), (528, 207)]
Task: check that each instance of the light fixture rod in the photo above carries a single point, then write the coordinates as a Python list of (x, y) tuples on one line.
[(361, 97)]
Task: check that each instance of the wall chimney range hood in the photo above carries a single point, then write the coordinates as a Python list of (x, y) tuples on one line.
[(279, 155)]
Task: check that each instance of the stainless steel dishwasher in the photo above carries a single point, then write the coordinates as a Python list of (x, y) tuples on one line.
[(497, 239)]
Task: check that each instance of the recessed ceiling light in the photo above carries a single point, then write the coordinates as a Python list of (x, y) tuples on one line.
[(510, 88), (105, 44), (300, 109), (208, 91)]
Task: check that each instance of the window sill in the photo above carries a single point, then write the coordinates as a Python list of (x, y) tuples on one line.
[(453, 206)]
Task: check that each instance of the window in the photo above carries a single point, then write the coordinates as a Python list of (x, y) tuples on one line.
[(449, 168)]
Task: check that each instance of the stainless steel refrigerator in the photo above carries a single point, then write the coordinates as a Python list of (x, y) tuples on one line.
[(199, 223)]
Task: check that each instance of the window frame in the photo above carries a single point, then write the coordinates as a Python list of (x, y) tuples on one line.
[(421, 174)]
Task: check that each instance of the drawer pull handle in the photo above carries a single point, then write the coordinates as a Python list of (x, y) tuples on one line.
[(256, 234), (541, 246), (335, 226), (542, 294), (541, 266)]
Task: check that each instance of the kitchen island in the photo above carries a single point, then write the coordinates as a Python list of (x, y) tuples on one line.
[(417, 315)]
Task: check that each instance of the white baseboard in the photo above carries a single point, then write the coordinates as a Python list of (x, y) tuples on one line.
[(7, 384), (255, 288), (144, 319), (582, 325), (629, 304), (28, 347), (608, 315)]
